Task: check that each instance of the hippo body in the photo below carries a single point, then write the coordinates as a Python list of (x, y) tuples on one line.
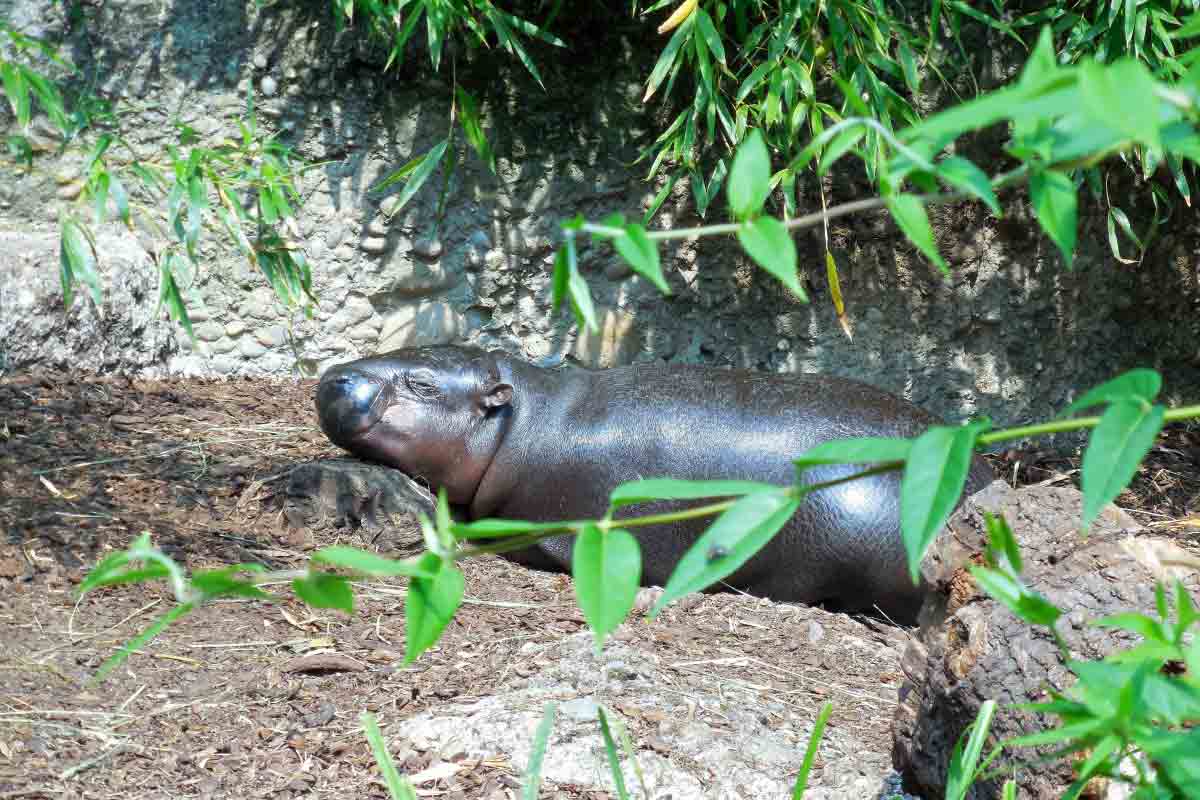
[(514, 441)]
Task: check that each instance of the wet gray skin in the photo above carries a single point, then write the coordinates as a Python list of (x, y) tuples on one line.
[(509, 440)]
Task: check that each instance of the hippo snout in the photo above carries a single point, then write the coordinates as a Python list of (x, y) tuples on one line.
[(349, 402)]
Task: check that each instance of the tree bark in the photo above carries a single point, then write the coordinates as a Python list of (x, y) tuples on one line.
[(970, 648), (347, 493)]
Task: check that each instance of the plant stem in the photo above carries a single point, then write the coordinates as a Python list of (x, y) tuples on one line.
[(1061, 426), (509, 543), (1018, 175)]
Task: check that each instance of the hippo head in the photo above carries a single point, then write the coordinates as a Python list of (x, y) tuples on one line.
[(435, 413)]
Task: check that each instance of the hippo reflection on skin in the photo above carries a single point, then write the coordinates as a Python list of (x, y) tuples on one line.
[(509, 440)]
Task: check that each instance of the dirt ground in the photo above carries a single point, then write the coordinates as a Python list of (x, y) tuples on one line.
[(223, 703)]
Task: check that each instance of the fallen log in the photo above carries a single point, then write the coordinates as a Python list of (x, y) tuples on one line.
[(970, 648)]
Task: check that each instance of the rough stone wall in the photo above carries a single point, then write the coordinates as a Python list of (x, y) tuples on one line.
[(1010, 335)]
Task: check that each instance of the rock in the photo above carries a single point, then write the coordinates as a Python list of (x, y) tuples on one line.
[(208, 331), (251, 348), (428, 247), (616, 343), (274, 336), (686, 757), (373, 245), (378, 226), (411, 278), (349, 493), (971, 648), (420, 323), (127, 333), (388, 206)]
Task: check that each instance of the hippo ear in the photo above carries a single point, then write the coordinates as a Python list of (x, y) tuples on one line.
[(498, 395)]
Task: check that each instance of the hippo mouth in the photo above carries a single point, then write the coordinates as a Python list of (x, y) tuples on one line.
[(350, 402)]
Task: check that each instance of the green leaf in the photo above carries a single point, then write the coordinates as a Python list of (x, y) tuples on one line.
[(266, 206), (610, 750), (531, 29), (400, 174), (20, 149), (711, 37), (810, 753), (171, 296), (965, 176), (98, 188), (863, 450), (17, 90), (1173, 753), (769, 243), (419, 174), (430, 605), (1076, 734), (909, 213), (510, 43), (728, 543), (705, 75), (753, 79), (837, 148), (77, 260), (1125, 85), (1136, 384), (141, 640), (560, 279), (368, 563), (660, 198), (323, 590), (96, 153), (442, 519), (1186, 612), (1055, 203), (934, 476), (1117, 445), (492, 528), (1114, 244), (435, 35), (1189, 29), (49, 96), (667, 59), (120, 199), (908, 63), (468, 114), (1042, 64), (223, 582), (964, 761), (991, 22), (650, 489), (1001, 541), (114, 569), (151, 180), (1016, 596), (1140, 624), (197, 203), (642, 255), (607, 568), (749, 180), (398, 786), (533, 770), (578, 292)]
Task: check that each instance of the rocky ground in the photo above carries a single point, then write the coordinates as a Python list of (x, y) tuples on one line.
[(248, 699)]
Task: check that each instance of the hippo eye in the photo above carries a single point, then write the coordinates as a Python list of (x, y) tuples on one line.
[(421, 384)]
